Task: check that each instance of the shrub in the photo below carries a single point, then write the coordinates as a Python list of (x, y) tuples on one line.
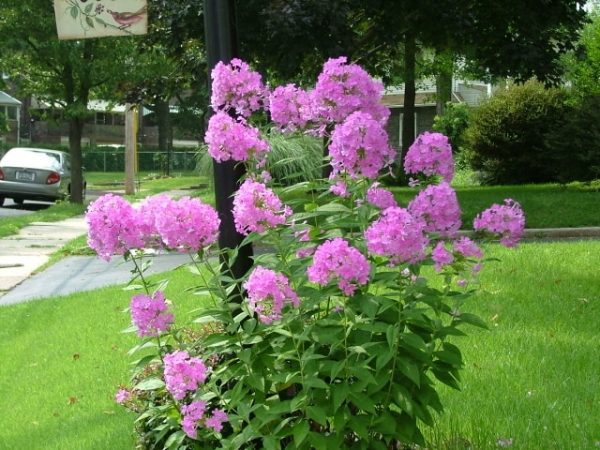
[(573, 147), (453, 123), (507, 134)]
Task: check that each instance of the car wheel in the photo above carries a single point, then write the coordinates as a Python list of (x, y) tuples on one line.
[(18, 201), (1, 201)]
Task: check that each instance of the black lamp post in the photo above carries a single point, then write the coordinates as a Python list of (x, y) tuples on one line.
[(221, 45)]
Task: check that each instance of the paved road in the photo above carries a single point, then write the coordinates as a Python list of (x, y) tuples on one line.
[(11, 209)]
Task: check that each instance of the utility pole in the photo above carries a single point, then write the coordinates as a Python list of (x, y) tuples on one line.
[(130, 149), (221, 45)]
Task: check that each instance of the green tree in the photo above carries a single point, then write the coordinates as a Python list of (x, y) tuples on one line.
[(63, 72), (582, 65)]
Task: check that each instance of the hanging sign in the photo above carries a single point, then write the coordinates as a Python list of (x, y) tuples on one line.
[(80, 19)]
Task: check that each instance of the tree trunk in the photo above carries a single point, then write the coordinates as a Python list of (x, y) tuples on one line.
[(75, 133), (443, 82), (408, 114), (164, 125)]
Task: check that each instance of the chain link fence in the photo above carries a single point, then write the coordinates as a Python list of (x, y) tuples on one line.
[(153, 161)]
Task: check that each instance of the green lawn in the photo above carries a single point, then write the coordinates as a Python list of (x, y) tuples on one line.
[(545, 205), (149, 182), (58, 211), (531, 378)]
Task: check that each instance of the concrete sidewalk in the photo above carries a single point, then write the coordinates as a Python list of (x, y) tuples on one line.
[(84, 273)]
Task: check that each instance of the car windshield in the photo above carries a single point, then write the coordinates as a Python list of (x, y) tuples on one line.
[(31, 158)]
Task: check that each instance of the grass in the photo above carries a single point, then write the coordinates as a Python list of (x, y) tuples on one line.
[(58, 211), (531, 378), (149, 182), (62, 362), (545, 205)]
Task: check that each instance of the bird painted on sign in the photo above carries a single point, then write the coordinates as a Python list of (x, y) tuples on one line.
[(126, 19)]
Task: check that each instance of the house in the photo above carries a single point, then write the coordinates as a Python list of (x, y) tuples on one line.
[(470, 92), (10, 107)]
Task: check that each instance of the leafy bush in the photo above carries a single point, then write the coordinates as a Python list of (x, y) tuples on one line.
[(337, 336), (453, 123), (507, 134), (573, 147)]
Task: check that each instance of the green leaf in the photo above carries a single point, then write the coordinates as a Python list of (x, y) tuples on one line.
[(74, 12), (88, 8), (358, 426), (315, 383), (410, 370), (317, 414), (89, 21), (333, 208), (317, 440), (175, 440), (340, 394), (149, 384), (472, 319), (363, 402), (300, 432)]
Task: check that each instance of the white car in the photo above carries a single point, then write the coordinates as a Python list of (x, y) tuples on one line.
[(35, 174)]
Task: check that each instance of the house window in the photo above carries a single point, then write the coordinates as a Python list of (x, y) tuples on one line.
[(101, 118), (11, 112)]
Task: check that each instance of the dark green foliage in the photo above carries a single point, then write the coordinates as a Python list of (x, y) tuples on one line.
[(454, 123), (574, 147), (507, 134)]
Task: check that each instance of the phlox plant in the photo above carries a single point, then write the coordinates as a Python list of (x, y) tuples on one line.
[(336, 338)]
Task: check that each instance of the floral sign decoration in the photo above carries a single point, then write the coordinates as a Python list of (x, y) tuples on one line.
[(79, 19)]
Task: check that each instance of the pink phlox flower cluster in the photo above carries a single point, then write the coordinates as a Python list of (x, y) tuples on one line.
[(256, 208), (235, 85), (216, 420), (228, 138), (507, 220), (192, 416), (337, 260), (150, 208), (380, 197), (339, 188), (441, 256), (397, 235), (122, 396), (431, 154), (112, 226), (342, 89), (290, 107), (183, 373), (150, 315), (268, 293), (188, 225), (467, 248), (437, 206), (359, 146)]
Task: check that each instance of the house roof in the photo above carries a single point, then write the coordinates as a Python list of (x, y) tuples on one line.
[(6, 99)]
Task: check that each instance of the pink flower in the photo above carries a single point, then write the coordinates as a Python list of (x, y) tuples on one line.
[(235, 85), (192, 415), (337, 260), (397, 235), (290, 107), (467, 248), (188, 224), (113, 226), (380, 197), (359, 146), (183, 373), (216, 420), (441, 257), (342, 89), (228, 138), (150, 314), (507, 220), (256, 208), (268, 293), (122, 396), (437, 206), (339, 188), (430, 154), (150, 209)]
